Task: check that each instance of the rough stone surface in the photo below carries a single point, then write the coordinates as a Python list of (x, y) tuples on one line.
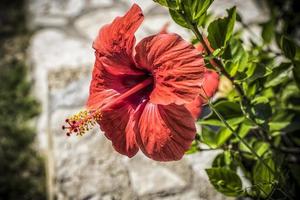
[(87, 167), (149, 177)]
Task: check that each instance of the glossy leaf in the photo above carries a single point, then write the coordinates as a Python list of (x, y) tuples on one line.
[(236, 57), (220, 30), (178, 18), (261, 147), (261, 109), (257, 71), (263, 177), (225, 181), (279, 75), (268, 31), (162, 2), (199, 7), (225, 159), (231, 112), (288, 47), (242, 131), (215, 139), (172, 4), (208, 137)]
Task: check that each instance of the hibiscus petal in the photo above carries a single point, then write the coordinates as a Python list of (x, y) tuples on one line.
[(164, 132), (209, 85), (195, 107), (115, 41), (117, 123), (177, 68), (99, 93)]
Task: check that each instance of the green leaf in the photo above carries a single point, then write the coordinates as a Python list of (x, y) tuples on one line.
[(193, 148), (290, 97), (172, 4), (242, 131), (194, 11), (225, 159), (261, 109), (288, 47), (231, 112), (225, 181), (220, 30), (215, 139), (162, 2), (208, 137), (291, 90), (199, 7), (261, 147), (236, 56), (280, 120), (296, 72), (176, 16), (263, 179), (277, 126), (203, 19), (268, 31), (257, 71), (279, 75), (223, 135)]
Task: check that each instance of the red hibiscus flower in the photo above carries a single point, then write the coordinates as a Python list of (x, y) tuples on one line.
[(143, 97)]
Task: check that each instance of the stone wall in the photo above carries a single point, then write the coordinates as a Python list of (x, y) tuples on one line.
[(87, 167)]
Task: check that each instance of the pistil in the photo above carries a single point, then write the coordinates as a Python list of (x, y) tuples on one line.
[(85, 120), (128, 93)]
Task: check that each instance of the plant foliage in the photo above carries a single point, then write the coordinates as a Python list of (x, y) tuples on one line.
[(256, 120)]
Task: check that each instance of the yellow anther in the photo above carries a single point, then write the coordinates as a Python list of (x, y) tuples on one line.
[(82, 122)]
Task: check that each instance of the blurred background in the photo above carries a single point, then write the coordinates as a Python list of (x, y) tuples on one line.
[(45, 69)]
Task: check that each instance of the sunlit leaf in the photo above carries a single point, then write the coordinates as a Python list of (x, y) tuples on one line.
[(225, 159), (220, 30), (199, 7), (225, 181), (279, 75), (172, 4), (178, 18), (236, 57), (162, 2)]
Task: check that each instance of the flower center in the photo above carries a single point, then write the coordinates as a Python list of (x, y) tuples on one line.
[(129, 92), (85, 120)]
